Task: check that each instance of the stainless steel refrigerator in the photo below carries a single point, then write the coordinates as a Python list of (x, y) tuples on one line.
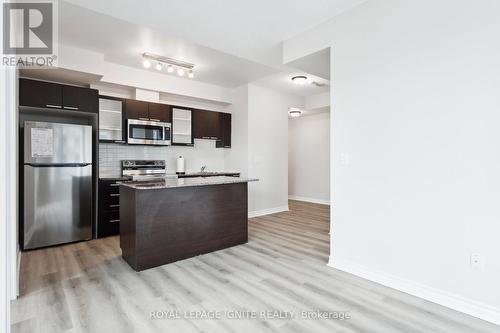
[(57, 184)]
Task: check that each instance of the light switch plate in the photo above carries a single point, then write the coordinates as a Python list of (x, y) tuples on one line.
[(345, 159)]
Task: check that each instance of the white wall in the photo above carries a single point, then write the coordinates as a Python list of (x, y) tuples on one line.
[(268, 148), (236, 158), (8, 195), (318, 101), (309, 158), (417, 111), (260, 145), (4, 230)]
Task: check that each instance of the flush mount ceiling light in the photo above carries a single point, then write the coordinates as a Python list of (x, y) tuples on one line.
[(172, 64), (294, 112), (299, 79)]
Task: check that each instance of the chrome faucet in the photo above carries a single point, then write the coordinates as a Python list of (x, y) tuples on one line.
[(203, 168)]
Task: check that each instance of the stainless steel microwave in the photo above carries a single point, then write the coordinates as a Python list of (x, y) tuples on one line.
[(144, 132)]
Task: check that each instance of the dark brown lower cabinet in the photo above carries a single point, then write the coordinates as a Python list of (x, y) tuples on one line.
[(160, 226), (108, 221)]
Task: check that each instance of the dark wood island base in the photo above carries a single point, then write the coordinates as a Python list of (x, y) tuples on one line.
[(162, 225)]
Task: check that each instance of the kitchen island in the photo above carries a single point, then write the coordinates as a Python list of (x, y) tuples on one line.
[(173, 219)]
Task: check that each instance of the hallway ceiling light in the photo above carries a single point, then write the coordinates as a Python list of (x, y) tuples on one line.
[(299, 79), (172, 64), (294, 112)]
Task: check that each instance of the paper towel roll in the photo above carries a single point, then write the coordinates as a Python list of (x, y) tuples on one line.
[(181, 169)]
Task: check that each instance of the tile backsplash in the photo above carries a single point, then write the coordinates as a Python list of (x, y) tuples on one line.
[(203, 153)]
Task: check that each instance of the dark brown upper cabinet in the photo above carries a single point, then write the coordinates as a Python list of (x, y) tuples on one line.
[(160, 112), (40, 94), (225, 130), (135, 109), (206, 125), (80, 99), (57, 96)]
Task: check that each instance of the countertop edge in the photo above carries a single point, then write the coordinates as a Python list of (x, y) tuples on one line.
[(162, 187)]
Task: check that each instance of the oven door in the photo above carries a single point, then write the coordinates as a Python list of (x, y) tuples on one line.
[(142, 132)]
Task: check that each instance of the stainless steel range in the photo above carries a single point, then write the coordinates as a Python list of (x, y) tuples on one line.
[(144, 170)]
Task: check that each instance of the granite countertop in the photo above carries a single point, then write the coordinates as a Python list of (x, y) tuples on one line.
[(185, 182)]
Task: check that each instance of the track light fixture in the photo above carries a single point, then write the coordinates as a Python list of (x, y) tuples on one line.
[(172, 64)]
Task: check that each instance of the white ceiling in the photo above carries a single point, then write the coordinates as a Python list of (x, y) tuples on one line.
[(230, 42), (249, 29), (123, 43), (317, 63), (283, 82)]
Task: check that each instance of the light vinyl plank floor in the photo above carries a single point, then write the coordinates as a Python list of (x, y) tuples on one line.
[(87, 287)]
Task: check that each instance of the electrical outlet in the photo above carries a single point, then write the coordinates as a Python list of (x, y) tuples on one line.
[(345, 159), (477, 262)]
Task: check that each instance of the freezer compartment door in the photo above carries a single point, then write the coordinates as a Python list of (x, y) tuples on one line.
[(57, 205), (50, 143)]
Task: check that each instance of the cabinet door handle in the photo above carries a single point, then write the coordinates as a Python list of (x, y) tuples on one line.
[(143, 118), (114, 195), (53, 106), (227, 146), (119, 141), (113, 206), (113, 221), (205, 137), (153, 119), (214, 138), (71, 107), (114, 184)]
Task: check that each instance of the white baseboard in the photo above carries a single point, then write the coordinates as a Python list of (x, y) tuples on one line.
[(441, 297), (312, 200), (263, 212)]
